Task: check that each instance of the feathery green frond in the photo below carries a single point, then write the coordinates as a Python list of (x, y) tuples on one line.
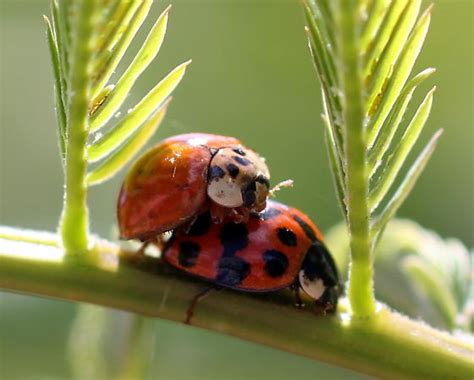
[(58, 95), (337, 172), (87, 42), (375, 14), (418, 273), (116, 161), (59, 33), (396, 159), (377, 37), (364, 52), (108, 60), (119, 15), (152, 102), (394, 119), (380, 108), (143, 58), (381, 68), (405, 186)]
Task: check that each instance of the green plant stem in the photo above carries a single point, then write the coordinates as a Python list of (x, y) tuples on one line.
[(387, 345), (74, 222), (361, 294)]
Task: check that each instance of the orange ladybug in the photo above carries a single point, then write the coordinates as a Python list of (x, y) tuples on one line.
[(279, 248), (186, 175)]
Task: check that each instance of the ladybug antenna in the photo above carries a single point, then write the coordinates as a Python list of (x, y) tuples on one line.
[(279, 186)]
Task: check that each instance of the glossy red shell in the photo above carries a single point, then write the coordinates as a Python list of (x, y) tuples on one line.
[(167, 186), (240, 256)]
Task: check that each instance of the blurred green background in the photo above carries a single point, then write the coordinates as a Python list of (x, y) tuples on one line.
[(252, 78)]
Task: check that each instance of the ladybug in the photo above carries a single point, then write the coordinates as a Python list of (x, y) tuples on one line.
[(186, 175), (279, 248)]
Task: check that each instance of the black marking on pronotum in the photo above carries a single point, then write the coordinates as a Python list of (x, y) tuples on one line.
[(276, 263), (239, 151), (242, 161), (233, 170), (188, 254), (269, 213), (306, 228), (216, 172), (201, 225), (287, 237), (232, 269)]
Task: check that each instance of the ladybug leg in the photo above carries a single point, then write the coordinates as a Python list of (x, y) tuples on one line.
[(327, 303), (218, 213), (236, 215), (157, 241), (197, 298), (187, 226), (141, 250), (296, 289), (241, 215), (322, 308)]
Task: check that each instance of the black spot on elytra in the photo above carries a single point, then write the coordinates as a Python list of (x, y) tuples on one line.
[(216, 172), (242, 161), (306, 228), (234, 237), (188, 254), (239, 151), (318, 263), (276, 263), (233, 170), (287, 237), (270, 213), (232, 271), (201, 225)]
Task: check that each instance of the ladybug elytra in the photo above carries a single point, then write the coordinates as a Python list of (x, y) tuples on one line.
[(279, 248), (186, 175)]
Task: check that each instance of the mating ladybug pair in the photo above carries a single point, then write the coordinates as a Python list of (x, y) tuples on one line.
[(211, 193)]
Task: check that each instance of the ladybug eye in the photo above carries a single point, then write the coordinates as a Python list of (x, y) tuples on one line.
[(256, 192), (262, 189), (248, 194), (261, 179), (313, 288)]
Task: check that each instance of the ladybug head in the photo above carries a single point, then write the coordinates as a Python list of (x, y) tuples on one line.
[(238, 177), (318, 277)]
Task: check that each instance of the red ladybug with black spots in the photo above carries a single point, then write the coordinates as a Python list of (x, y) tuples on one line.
[(279, 248), (186, 175)]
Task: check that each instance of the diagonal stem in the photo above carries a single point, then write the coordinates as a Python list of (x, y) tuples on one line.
[(388, 345)]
